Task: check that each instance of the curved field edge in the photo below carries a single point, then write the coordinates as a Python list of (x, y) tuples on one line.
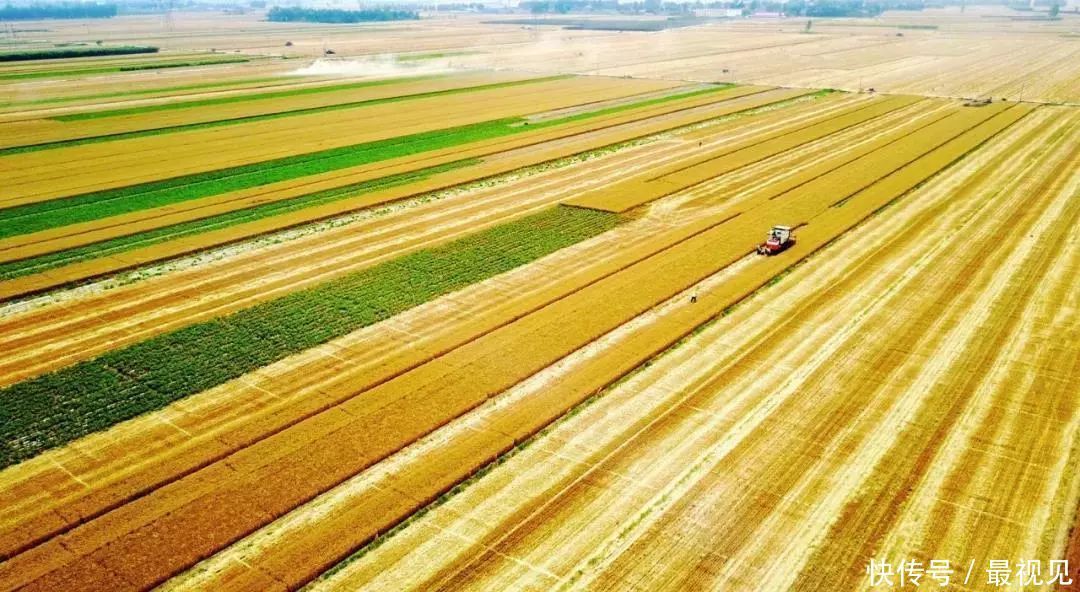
[(57, 408)]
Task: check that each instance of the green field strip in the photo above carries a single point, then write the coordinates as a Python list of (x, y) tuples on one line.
[(150, 91), (127, 68), (264, 117), (216, 101), (54, 53), (57, 408), (42, 263), (44, 215), (433, 55)]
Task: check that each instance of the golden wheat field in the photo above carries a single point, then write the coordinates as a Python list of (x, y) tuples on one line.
[(479, 298)]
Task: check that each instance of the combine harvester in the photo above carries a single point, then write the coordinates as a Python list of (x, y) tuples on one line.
[(780, 238)]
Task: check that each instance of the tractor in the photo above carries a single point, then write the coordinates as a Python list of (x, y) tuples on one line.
[(780, 238)]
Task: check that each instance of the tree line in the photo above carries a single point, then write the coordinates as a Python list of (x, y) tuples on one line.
[(282, 14), (66, 10)]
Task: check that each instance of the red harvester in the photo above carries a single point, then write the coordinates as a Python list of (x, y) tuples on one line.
[(780, 238)]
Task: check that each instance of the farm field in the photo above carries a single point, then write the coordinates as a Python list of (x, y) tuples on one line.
[(481, 305), (639, 486)]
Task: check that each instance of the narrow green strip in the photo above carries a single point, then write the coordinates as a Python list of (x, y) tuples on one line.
[(52, 410), (254, 118), (54, 213), (48, 214), (161, 65), (127, 68), (54, 53), (295, 92), (150, 91), (414, 57), (631, 105), (177, 187), (42, 263)]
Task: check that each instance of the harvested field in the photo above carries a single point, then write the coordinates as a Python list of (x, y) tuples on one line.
[(639, 484), (483, 305)]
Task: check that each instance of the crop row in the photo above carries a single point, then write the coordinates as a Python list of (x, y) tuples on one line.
[(411, 191), (295, 92), (156, 131), (56, 408), (653, 184), (48, 175), (275, 475), (500, 505), (150, 91), (43, 215), (163, 119), (71, 52), (41, 263), (619, 132), (54, 73)]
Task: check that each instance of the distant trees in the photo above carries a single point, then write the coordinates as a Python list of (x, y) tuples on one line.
[(1055, 8), (64, 10), (828, 8), (282, 14)]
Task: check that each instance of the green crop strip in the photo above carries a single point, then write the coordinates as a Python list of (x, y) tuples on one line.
[(192, 187), (44, 215), (128, 68), (413, 57), (161, 65), (148, 91), (72, 52), (255, 118), (216, 101), (631, 105), (14, 269), (56, 408)]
